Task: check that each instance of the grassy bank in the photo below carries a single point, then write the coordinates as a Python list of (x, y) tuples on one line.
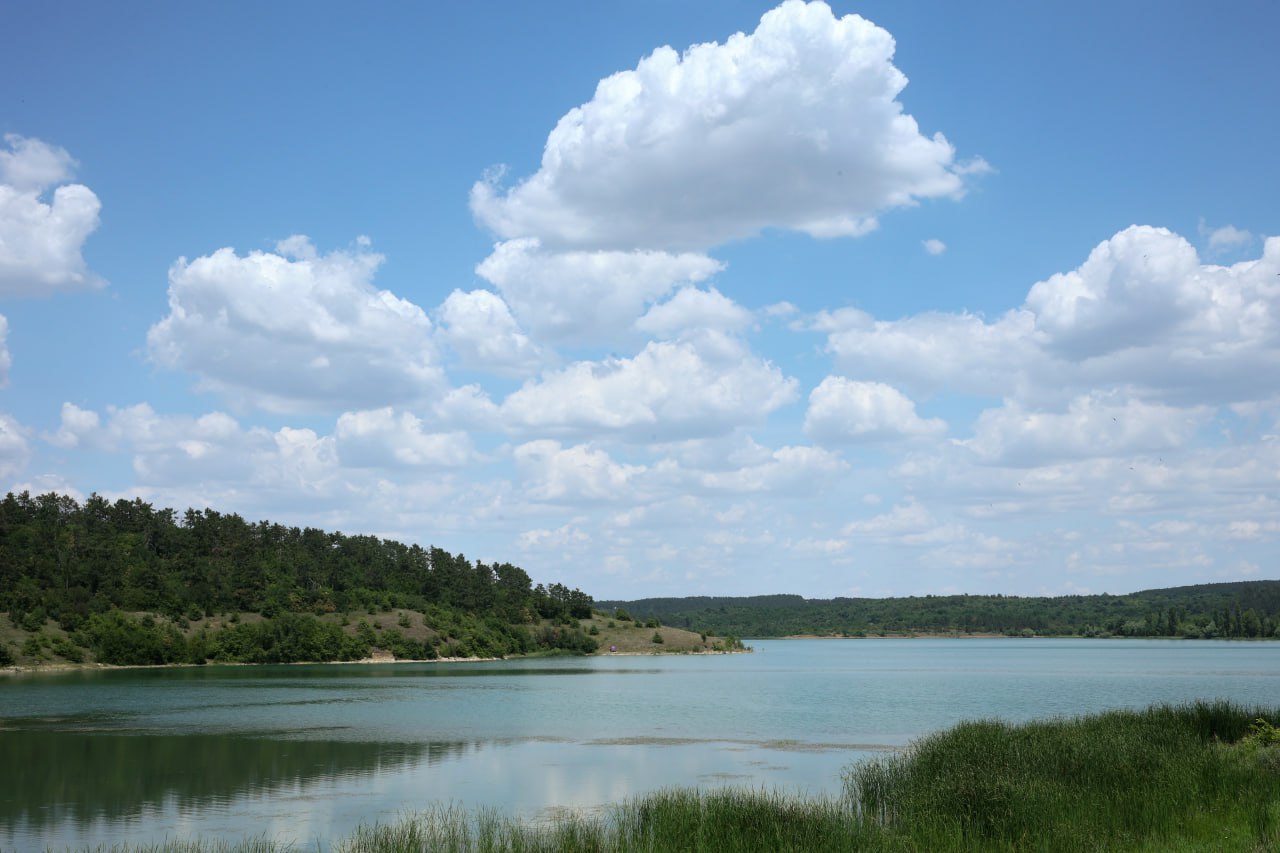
[(147, 639), (1202, 777)]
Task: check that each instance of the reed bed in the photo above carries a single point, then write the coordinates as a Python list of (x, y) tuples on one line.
[(1200, 777), (1196, 777)]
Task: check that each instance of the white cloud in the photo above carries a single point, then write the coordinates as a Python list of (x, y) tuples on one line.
[(77, 423), (1250, 529), (1133, 290), (1141, 312), (6, 361), (295, 330), (692, 308), (565, 536), (478, 326), (586, 296), (787, 469), (368, 476), (1225, 237), (947, 545), (841, 410), (794, 126), (211, 460), (43, 484), (169, 450), (697, 387), (33, 166), (779, 310), (382, 438), (934, 246), (468, 408), (578, 473), (927, 352), (1092, 426), (14, 452), (910, 518), (41, 241)]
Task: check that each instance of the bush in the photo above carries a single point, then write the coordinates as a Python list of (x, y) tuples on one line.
[(291, 638), (120, 639), (33, 620), (32, 647), (569, 639), (657, 638)]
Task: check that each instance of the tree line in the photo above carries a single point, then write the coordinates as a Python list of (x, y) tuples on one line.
[(93, 568), (1246, 609)]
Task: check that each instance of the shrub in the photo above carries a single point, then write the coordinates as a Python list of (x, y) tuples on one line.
[(290, 638), (657, 638), (64, 648), (120, 639), (33, 620), (31, 647)]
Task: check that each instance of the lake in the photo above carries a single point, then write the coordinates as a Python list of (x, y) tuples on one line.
[(306, 753)]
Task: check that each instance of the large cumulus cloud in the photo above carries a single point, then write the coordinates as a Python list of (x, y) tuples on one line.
[(796, 126), (296, 330), (1142, 312)]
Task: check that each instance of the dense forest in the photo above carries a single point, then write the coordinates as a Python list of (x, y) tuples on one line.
[(1230, 610), (131, 583)]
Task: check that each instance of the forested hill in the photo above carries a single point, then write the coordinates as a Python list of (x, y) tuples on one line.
[(1243, 609), (82, 575)]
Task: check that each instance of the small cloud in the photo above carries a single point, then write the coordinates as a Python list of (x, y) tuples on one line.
[(934, 246), (1224, 238), (780, 309)]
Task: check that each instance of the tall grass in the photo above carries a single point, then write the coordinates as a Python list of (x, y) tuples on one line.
[(684, 820), (1202, 777), (1164, 778)]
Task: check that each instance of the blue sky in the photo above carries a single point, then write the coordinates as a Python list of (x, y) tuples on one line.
[(662, 298)]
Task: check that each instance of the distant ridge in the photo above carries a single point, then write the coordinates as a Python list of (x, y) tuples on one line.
[(1239, 609)]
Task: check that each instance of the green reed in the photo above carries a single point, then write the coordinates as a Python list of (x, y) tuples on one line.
[(1168, 777)]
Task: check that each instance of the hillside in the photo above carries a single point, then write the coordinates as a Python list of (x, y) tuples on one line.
[(127, 583), (1246, 609)]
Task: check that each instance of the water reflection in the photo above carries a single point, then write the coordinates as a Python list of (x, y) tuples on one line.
[(54, 777), (81, 789)]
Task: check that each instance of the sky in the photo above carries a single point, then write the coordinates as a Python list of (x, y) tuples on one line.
[(661, 299)]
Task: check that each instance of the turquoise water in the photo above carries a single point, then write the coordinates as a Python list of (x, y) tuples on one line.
[(305, 753)]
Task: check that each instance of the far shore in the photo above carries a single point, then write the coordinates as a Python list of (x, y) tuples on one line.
[(918, 635)]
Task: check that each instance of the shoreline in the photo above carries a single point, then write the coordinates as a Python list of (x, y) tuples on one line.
[(62, 667)]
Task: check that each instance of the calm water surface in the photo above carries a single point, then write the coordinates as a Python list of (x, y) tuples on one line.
[(306, 753)]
